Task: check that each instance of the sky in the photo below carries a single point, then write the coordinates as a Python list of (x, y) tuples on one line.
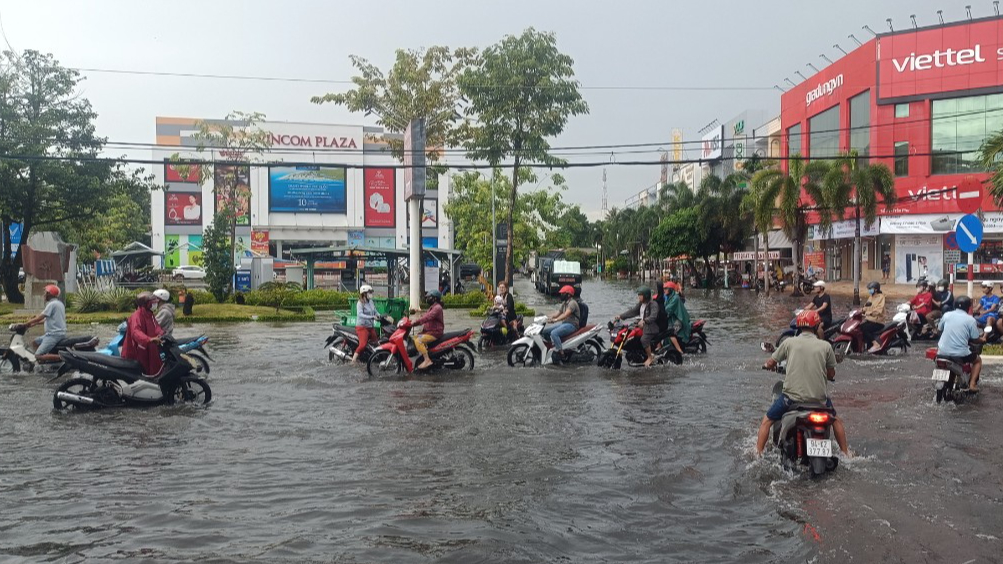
[(626, 44)]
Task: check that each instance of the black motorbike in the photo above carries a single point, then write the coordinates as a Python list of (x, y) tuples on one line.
[(495, 333), (343, 341)]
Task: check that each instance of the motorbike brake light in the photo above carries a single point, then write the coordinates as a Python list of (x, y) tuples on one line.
[(818, 417)]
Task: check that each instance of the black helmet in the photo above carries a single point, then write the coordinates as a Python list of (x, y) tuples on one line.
[(433, 296), (644, 291), (876, 286), (922, 284), (943, 283), (964, 303)]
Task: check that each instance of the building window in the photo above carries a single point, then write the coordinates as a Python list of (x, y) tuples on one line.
[(794, 140), (860, 123), (823, 134), (901, 110), (902, 158), (959, 127)]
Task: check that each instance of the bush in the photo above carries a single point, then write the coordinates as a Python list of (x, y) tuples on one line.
[(520, 309), (317, 298), (120, 299), (470, 299), (201, 296), (87, 300)]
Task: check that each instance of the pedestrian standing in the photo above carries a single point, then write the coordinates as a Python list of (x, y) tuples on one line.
[(886, 266), (187, 302)]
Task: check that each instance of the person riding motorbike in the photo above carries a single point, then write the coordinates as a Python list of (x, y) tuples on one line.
[(142, 336), (922, 302), (432, 326), (165, 313), (810, 363), (874, 316), (511, 319), (365, 320), (988, 310), (564, 322), (821, 303), (647, 310), (943, 302), (54, 317), (959, 330), (678, 318)]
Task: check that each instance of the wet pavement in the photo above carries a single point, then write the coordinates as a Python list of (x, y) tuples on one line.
[(301, 461)]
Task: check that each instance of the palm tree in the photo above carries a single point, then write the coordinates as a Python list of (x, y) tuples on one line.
[(781, 191), (721, 207), (676, 196), (760, 207), (992, 160), (853, 183)]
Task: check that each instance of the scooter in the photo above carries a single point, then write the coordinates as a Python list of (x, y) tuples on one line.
[(625, 342), (192, 347), (344, 340), (453, 351), (951, 375), (804, 436), (102, 381), (893, 338), (17, 358), (495, 333), (584, 345), (829, 334)]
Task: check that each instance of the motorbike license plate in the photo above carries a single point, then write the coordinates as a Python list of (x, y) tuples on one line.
[(941, 375), (819, 447)]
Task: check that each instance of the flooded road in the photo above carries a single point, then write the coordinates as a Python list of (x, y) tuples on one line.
[(300, 461)]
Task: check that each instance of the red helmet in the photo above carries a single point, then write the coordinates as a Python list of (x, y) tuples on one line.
[(566, 290), (52, 290), (670, 285), (808, 318)]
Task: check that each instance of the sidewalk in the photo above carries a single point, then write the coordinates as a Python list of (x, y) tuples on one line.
[(891, 291)]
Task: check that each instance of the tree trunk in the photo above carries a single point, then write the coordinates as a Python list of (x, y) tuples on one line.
[(511, 232), (795, 263), (766, 262), (755, 260), (856, 259)]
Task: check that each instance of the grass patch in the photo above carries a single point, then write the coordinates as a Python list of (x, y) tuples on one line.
[(202, 313), (520, 309), (992, 350), (6, 308)]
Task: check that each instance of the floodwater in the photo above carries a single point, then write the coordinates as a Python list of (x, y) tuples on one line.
[(299, 461)]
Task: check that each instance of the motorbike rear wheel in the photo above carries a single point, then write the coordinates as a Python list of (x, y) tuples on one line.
[(843, 348), (459, 358), (522, 355), (484, 344), (818, 466), (190, 389), (79, 386), (200, 364), (383, 363)]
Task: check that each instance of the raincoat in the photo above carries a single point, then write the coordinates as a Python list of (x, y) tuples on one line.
[(137, 346), (676, 311)]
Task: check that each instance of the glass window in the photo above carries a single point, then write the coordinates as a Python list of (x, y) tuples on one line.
[(959, 127), (901, 110), (794, 140), (823, 134), (860, 123), (902, 158)]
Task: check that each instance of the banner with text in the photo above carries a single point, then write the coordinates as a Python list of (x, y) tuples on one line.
[(307, 189), (380, 196)]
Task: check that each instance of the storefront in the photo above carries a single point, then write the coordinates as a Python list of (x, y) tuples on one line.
[(921, 101)]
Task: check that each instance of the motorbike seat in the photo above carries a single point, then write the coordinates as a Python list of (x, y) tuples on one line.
[(115, 362), (889, 327), (697, 325), (447, 336), (811, 407), (76, 342), (579, 332)]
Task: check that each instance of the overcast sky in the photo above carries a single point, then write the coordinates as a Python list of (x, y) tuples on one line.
[(692, 43)]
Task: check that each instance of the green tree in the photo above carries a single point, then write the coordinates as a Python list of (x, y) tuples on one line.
[(521, 92), (42, 114), (126, 219), (676, 196), (992, 159), (720, 204), (782, 193), (277, 294), (854, 184), (680, 234), (217, 257)]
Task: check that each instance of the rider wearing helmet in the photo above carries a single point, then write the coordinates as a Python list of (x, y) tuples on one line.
[(922, 302), (810, 363), (678, 318), (958, 331), (165, 313), (432, 327), (988, 310), (943, 302), (365, 320), (821, 303), (142, 338), (874, 315), (563, 323), (54, 317), (647, 310)]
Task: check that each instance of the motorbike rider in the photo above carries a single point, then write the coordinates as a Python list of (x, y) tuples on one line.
[(810, 363), (679, 325), (874, 316), (432, 326), (165, 312), (922, 302), (365, 320), (564, 322), (943, 302), (959, 330), (988, 310), (142, 336), (510, 315), (821, 302), (647, 310), (54, 317)]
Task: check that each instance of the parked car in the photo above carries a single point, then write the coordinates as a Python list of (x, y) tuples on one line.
[(189, 272)]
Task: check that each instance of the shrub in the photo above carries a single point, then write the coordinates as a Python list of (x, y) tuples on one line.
[(520, 309), (469, 299), (202, 297), (120, 299), (87, 300)]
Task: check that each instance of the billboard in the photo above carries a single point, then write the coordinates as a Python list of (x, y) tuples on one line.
[(183, 208), (430, 213), (380, 196), (174, 172), (711, 144), (414, 160), (307, 189), (259, 242), (172, 251), (233, 182), (938, 62)]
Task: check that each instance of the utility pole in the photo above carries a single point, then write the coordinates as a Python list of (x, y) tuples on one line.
[(414, 193)]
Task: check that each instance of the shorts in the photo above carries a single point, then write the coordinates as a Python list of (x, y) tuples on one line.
[(968, 359), (985, 317), (647, 339), (47, 343), (783, 404)]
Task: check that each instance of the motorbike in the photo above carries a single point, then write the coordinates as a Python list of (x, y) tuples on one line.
[(344, 340), (804, 436), (192, 347), (100, 381), (452, 351), (698, 339), (917, 327), (17, 358), (951, 375), (893, 338), (584, 345), (495, 333), (625, 342), (792, 330)]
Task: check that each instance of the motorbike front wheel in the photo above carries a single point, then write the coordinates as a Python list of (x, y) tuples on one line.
[(842, 348), (191, 389), (522, 355), (78, 386), (10, 365), (608, 359), (459, 358), (383, 363)]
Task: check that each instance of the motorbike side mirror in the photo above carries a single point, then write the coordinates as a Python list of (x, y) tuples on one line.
[(767, 347), (988, 329)]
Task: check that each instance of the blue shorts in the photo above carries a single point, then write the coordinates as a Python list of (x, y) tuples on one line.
[(783, 405), (985, 317)]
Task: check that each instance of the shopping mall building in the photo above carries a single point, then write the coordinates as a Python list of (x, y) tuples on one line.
[(340, 187), (922, 101)]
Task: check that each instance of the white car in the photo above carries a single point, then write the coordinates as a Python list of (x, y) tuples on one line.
[(188, 273)]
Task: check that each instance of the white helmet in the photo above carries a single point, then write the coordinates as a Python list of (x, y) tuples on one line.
[(365, 289), (162, 295), (819, 284), (903, 308), (987, 284)]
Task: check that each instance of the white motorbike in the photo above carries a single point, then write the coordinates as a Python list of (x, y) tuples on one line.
[(17, 358), (584, 345)]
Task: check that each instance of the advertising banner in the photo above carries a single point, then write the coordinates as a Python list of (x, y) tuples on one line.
[(430, 213), (259, 242), (175, 172), (307, 189), (15, 238), (172, 254), (751, 255), (183, 208), (195, 250), (380, 196), (814, 263), (712, 144), (918, 255), (414, 160), (233, 182), (937, 63), (845, 229)]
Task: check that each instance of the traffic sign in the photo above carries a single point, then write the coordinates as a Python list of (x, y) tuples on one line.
[(969, 233), (969, 195), (951, 241)]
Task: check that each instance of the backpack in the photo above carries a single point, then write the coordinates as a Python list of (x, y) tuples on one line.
[(583, 312)]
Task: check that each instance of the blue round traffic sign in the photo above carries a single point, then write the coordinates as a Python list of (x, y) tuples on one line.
[(969, 233)]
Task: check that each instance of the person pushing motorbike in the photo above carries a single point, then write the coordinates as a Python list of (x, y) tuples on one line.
[(564, 322), (811, 362), (432, 326), (647, 310), (958, 331), (54, 318)]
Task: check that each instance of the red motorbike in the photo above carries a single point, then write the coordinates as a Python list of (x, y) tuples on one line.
[(625, 341), (453, 351), (950, 377), (893, 337)]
